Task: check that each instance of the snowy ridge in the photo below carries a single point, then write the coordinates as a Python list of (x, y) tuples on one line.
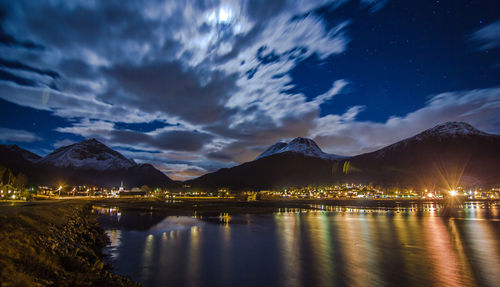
[(440, 132), (89, 154), (450, 129), (299, 145), (275, 148)]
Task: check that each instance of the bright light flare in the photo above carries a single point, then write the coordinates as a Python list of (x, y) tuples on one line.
[(223, 15), (453, 192)]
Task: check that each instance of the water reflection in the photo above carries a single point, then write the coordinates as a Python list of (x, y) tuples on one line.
[(147, 256), (323, 246), (484, 251), (319, 233), (226, 254), (288, 234), (193, 257), (448, 270)]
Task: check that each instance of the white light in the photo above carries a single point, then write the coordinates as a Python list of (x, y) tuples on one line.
[(222, 15), (225, 15), (453, 192)]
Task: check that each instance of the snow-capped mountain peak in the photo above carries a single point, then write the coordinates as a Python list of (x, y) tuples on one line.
[(441, 132), (298, 145), (88, 154), (452, 129), (275, 148)]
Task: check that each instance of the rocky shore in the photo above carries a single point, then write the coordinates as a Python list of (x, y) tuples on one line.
[(54, 244)]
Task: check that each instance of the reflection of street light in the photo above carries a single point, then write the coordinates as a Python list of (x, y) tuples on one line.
[(453, 192)]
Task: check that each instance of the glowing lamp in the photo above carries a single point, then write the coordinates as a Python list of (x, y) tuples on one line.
[(453, 192)]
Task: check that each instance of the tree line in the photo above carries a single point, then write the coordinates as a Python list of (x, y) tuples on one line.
[(14, 186)]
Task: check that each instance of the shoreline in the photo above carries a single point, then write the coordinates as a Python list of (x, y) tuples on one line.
[(54, 244), (212, 207), (60, 242)]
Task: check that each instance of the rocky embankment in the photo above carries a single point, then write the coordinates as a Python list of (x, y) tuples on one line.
[(53, 244)]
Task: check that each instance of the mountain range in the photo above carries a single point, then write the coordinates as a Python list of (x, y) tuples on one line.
[(89, 162), (445, 156)]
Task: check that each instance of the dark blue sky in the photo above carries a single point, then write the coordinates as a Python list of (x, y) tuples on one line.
[(192, 87), (400, 55)]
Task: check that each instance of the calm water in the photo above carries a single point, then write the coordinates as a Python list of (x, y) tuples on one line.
[(332, 246)]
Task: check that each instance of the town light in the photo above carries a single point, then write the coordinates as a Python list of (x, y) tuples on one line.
[(453, 192)]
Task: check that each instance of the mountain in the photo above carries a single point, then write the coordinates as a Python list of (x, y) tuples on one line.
[(89, 154), (298, 145), (445, 156), (135, 176), (299, 162), (89, 162), (278, 170), (16, 158), (26, 154), (274, 149)]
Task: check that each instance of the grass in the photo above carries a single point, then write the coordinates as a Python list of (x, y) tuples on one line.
[(53, 244)]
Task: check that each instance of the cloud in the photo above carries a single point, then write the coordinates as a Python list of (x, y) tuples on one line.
[(343, 134), (334, 90), (9, 40), (178, 61), (20, 66), (169, 138), (374, 5), (488, 37), (64, 142), (13, 135), (177, 140), (219, 70), (10, 77), (181, 171), (170, 88)]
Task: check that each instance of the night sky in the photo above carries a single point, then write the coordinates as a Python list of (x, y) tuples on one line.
[(193, 86)]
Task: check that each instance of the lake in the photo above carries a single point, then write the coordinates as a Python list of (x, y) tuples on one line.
[(322, 246)]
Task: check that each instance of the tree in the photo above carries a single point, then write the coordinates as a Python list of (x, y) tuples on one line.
[(2, 172), (7, 177), (20, 181)]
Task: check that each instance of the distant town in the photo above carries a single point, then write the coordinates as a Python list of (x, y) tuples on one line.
[(334, 192)]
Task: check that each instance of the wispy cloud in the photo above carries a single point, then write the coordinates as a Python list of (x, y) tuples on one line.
[(219, 70), (13, 135), (488, 36), (343, 134)]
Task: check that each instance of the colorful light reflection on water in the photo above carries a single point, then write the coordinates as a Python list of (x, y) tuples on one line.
[(322, 246)]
